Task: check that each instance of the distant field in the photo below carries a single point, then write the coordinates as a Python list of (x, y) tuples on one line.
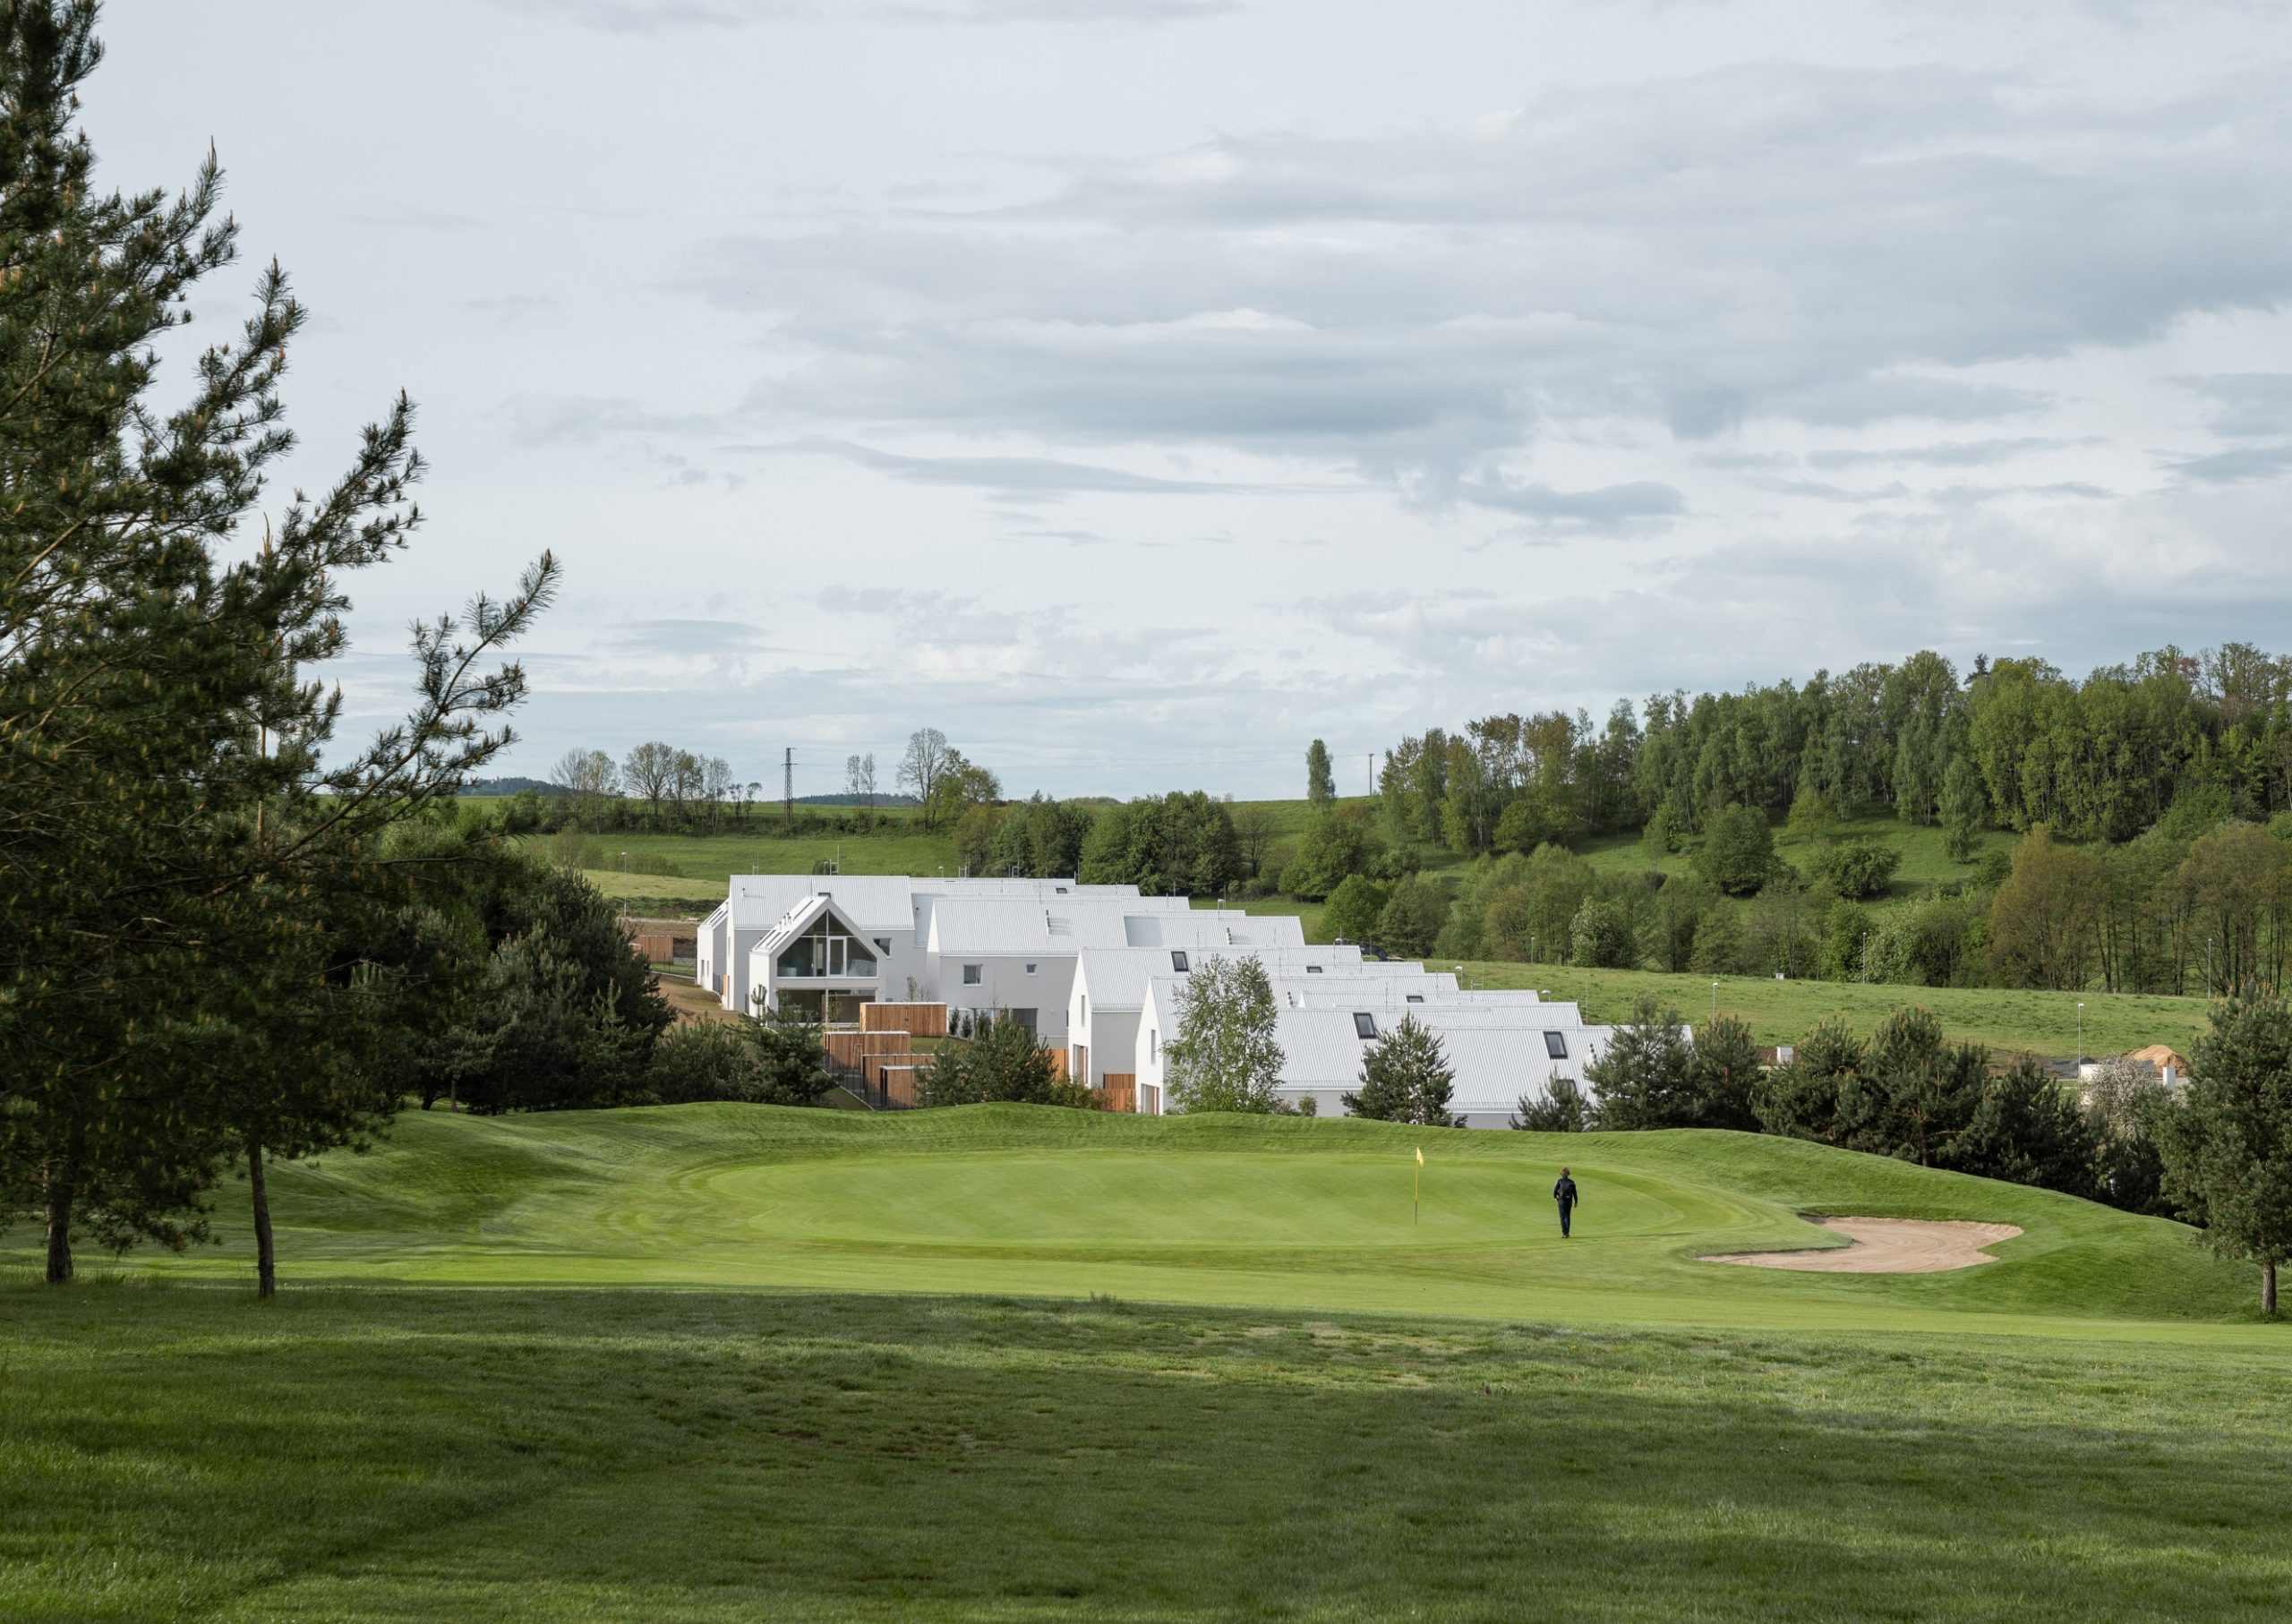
[(1781, 1012)]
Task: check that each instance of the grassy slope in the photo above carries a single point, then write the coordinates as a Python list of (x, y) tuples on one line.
[(1781, 1012), (703, 1453), (1217, 1210)]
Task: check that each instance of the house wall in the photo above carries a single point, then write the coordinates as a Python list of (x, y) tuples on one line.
[(1004, 984)]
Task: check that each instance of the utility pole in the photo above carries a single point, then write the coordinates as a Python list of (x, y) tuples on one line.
[(788, 786)]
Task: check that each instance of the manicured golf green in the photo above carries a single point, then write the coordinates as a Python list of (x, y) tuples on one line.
[(1285, 1212), (731, 1362)]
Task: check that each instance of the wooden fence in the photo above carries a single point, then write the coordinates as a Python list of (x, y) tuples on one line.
[(1120, 1092), (664, 941), (916, 1020)]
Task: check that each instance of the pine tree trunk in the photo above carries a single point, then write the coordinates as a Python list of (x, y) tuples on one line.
[(266, 1260), (60, 1194), (2267, 1288)]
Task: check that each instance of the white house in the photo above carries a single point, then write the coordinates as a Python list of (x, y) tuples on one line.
[(893, 912), (1111, 985), (1097, 972), (1500, 1047)]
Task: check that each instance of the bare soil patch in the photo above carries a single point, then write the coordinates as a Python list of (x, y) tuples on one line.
[(1887, 1246)]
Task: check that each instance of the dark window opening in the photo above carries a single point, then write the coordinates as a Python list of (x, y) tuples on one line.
[(1365, 1024), (1178, 962), (1555, 1045)]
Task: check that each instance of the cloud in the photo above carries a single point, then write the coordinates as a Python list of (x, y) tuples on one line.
[(2237, 465), (1609, 507), (1943, 453), (689, 637), (1015, 478), (581, 420), (2249, 404), (665, 16), (1769, 244)]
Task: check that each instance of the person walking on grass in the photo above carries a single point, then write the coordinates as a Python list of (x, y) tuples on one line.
[(1564, 1193)]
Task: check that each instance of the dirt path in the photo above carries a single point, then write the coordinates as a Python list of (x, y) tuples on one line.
[(1887, 1245)]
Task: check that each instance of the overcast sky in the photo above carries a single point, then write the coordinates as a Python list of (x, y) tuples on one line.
[(1136, 390)]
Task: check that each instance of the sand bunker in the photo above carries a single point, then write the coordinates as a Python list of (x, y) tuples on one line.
[(1887, 1245)]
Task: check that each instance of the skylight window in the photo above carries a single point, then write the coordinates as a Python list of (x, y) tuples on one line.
[(1313, 970), (1555, 1045), (1178, 962), (1365, 1024), (1417, 998)]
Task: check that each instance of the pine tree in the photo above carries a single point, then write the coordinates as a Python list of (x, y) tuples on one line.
[(1320, 781), (1405, 1077), (172, 846)]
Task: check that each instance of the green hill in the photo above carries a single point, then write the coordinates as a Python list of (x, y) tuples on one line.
[(1291, 1212)]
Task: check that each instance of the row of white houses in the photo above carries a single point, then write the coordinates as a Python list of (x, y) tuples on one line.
[(1096, 972)]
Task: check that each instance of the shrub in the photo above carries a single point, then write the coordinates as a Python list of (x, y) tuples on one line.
[(1560, 1109), (1737, 853), (704, 1060), (1415, 914), (1859, 868), (1000, 1061), (1599, 938), (1354, 909)]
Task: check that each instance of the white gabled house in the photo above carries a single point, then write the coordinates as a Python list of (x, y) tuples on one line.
[(1501, 1045), (1096, 972)]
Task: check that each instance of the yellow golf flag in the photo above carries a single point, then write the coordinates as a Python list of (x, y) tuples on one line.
[(1415, 1184), (1420, 1155)]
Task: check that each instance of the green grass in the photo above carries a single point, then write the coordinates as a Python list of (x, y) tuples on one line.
[(1284, 1401), (1783, 1011), (1218, 1210)]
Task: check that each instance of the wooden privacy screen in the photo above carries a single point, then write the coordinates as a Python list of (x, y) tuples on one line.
[(856, 1050), (916, 1020), (898, 1082), (1120, 1092)]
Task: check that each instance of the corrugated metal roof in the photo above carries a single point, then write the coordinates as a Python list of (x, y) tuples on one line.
[(884, 902), (1322, 1049)]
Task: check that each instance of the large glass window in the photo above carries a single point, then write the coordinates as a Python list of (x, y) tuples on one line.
[(827, 952)]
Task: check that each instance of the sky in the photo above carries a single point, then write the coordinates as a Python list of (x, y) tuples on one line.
[(1137, 389)]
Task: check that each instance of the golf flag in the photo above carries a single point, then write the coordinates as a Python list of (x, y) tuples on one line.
[(1420, 1155), (1416, 1184)]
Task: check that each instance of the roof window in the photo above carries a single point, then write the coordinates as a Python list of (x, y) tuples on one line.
[(1555, 1045), (1365, 1024), (1178, 962)]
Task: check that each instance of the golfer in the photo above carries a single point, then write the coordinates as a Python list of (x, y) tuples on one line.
[(1564, 1193)]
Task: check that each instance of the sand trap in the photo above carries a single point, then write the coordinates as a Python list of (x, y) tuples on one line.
[(1887, 1245)]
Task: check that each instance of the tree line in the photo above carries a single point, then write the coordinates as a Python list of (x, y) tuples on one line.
[(2013, 744), (659, 786)]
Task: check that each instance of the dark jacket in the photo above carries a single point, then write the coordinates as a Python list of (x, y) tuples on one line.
[(1564, 1192)]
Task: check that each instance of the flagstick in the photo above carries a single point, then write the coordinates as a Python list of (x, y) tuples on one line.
[(1415, 1186)]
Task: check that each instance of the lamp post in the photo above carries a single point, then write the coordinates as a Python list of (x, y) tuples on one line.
[(2081, 1042), (1714, 1000)]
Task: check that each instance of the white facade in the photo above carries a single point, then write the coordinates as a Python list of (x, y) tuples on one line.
[(894, 911), (1501, 1045), (1097, 972)]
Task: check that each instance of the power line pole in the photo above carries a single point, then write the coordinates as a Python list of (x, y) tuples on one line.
[(788, 786)]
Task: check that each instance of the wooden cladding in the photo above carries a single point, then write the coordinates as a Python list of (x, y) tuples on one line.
[(1120, 1092), (915, 1020)]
